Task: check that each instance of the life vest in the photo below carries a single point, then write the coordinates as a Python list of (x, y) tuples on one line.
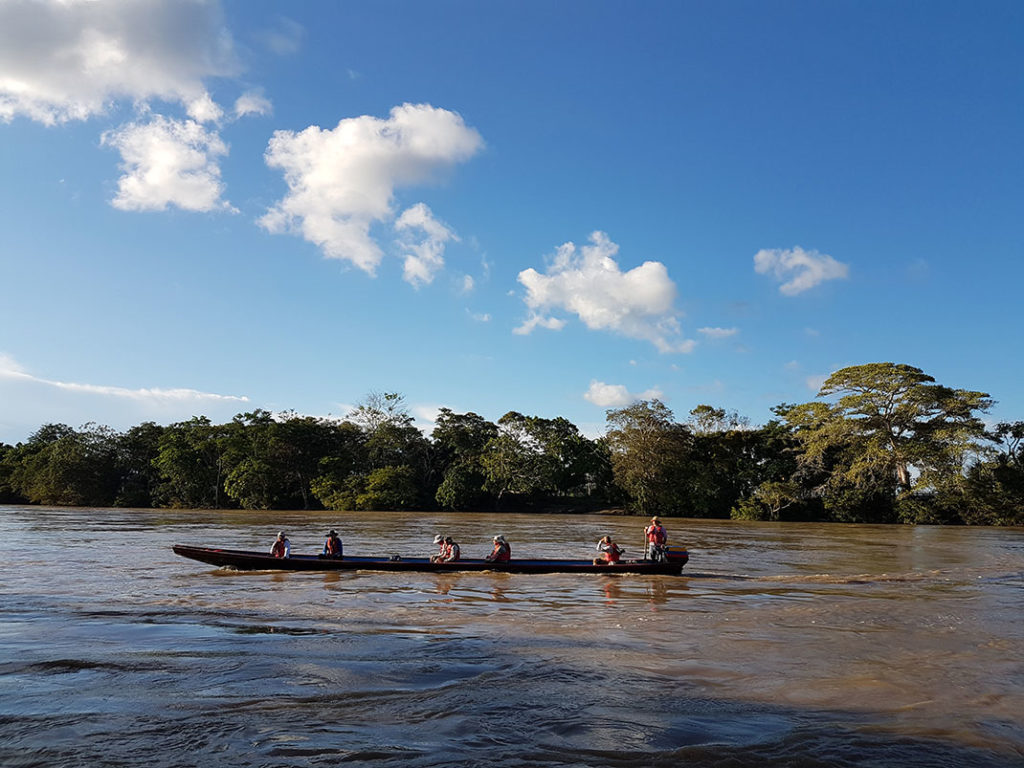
[(656, 534), (332, 546), (278, 549), (453, 553), (502, 553), (612, 553)]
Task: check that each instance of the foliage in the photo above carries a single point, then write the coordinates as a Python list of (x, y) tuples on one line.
[(649, 452), (883, 443), (893, 445)]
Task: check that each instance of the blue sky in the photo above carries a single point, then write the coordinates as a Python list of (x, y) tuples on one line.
[(549, 207)]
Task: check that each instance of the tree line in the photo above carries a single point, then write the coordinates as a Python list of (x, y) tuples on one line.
[(881, 443)]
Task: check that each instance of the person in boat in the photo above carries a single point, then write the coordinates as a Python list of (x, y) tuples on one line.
[(441, 551), (452, 552), (501, 553), (657, 537), (333, 546), (610, 551), (281, 546)]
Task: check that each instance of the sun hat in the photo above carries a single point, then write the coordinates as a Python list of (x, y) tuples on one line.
[(438, 539), (500, 538)]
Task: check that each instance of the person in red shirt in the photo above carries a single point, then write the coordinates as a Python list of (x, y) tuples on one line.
[(502, 552)]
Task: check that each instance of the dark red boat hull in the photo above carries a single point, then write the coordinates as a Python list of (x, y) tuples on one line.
[(257, 561)]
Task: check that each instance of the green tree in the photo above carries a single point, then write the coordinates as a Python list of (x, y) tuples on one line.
[(139, 479), (341, 473), (459, 442), (892, 438), (60, 465), (511, 460), (298, 447), (393, 440), (191, 462), (995, 483), (649, 455), (249, 474)]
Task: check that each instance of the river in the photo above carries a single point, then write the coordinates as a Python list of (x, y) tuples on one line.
[(781, 645)]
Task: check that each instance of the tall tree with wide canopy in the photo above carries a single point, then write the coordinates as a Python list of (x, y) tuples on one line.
[(891, 429), (649, 452)]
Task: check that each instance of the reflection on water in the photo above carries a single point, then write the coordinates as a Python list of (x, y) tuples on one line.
[(806, 645)]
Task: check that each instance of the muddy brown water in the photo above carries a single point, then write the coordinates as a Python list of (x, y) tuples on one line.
[(781, 645)]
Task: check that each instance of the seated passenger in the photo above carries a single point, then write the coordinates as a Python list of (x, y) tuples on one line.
[(442, 549), (281, 546), (333, 546), (452, 554), (610, 551), (501, 553)]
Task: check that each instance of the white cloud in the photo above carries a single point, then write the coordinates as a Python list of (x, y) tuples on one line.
[(482, 317), (803, 269), (204, 110), (168, 162), (615, 395), (342, 181), (468, 284), (718, 333), (425, 417), (814, 383), (285, 37), (252, 103), (587, 282), (63, 60), (10, 369), (425, 257)]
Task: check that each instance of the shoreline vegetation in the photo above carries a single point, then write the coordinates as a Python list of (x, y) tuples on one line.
[(881, 443)]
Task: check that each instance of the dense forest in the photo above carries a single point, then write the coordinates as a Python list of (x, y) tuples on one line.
[(881, 443)]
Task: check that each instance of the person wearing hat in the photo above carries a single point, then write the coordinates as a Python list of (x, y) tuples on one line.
[(333, 546), (281, 546), (452, 551), (442, 550), (656, 537), (501, 553)]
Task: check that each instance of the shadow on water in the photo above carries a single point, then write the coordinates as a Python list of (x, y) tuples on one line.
[(471, 722)]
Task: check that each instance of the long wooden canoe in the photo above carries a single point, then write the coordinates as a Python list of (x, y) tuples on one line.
[(258, 561)]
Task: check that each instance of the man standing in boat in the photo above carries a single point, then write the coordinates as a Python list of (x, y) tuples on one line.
[(502, 552), (333, 546), (281, 547), (656, 539)]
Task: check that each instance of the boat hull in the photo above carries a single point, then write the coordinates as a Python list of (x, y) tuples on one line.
[(258, 561)]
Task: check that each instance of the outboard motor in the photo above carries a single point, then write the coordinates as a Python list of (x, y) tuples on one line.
[(676, 554)]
